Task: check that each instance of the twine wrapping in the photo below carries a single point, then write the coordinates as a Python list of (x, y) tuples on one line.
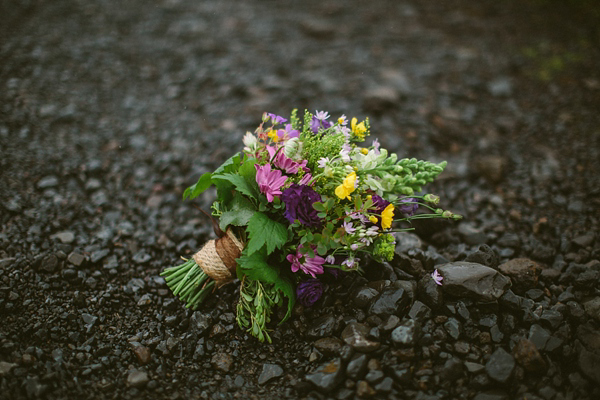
[(217, 258)]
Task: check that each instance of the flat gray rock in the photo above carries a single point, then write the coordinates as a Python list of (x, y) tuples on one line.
[(473, 280)]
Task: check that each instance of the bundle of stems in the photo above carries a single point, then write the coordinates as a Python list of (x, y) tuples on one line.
[(189, 282)]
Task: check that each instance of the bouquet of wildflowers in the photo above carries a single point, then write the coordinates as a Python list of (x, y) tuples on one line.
[(302, 202)]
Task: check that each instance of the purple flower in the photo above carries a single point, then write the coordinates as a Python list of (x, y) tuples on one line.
[(351, 262), (287, 133), (269, 182), (276, 119), (320, 121), (376, 146), (408, 206), (349, 228), (308, 265), (345, 152), (379, 203), (299, 201), (309, 292), (437, 278)]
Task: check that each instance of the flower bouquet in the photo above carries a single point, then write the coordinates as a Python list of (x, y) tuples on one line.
[(302, 202)]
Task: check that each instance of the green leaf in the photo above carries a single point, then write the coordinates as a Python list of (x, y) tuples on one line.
[(239, 182), (204, 182), (248, 172), (232, 164), (254, 266), (241, 211), (264, 231)]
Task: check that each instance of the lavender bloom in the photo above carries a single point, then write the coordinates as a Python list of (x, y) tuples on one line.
[(323, 161), (309, 266), (319, 120), (276, 119), (330, 259), (408, 206), (309, 292), (288, 132), (269, 182), (351, 262), (298, 201), (345, 152), (349, 228), (376, 146), (437, 278)]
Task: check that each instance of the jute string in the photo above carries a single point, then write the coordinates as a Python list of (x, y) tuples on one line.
[(217, 258)]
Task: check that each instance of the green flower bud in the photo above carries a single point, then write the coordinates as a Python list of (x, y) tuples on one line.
[(432, 198)]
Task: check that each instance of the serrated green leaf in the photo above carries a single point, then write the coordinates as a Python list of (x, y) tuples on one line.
[(248, 172), (230, 165), (241, 211), (239, 182), (264, 231)]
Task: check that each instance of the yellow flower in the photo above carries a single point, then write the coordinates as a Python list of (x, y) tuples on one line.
[(387, 216), (343, 191), (364, 151), (273, 135), (358, 129), (373, 219)]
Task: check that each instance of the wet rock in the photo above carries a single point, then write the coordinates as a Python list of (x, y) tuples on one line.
[(589, 363), (269, 372), (419, 311), (500, 87), (327, 376), (222, 362), (76, 259), (407, 333), (473, 280), (390, 301), (406, 241), (378, 99), (355, 334), (137, 379), (321, 327), (485, 255), (66, 237), (329, 345), (200, 323), (47, 182), (364, 297), (538, 336), (50, 263), (430, 292), (364, 390), (357, 367), (143, 354), (6, 367), (494, 395), (453, 327), (452, 370), (527, 355), (500, 366), (592, 308), (523, 272), (492, 168), (584, 240)]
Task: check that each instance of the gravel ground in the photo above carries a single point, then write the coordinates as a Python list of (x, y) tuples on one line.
[(109, 109)]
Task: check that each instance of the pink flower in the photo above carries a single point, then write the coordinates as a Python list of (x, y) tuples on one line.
[(269, 182), (437, 278), (287, 164), (309, 266)]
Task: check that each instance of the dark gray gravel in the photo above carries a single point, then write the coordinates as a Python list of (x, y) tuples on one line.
[(109, 110)]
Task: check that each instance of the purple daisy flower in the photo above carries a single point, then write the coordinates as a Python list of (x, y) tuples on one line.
[(309, 265)]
